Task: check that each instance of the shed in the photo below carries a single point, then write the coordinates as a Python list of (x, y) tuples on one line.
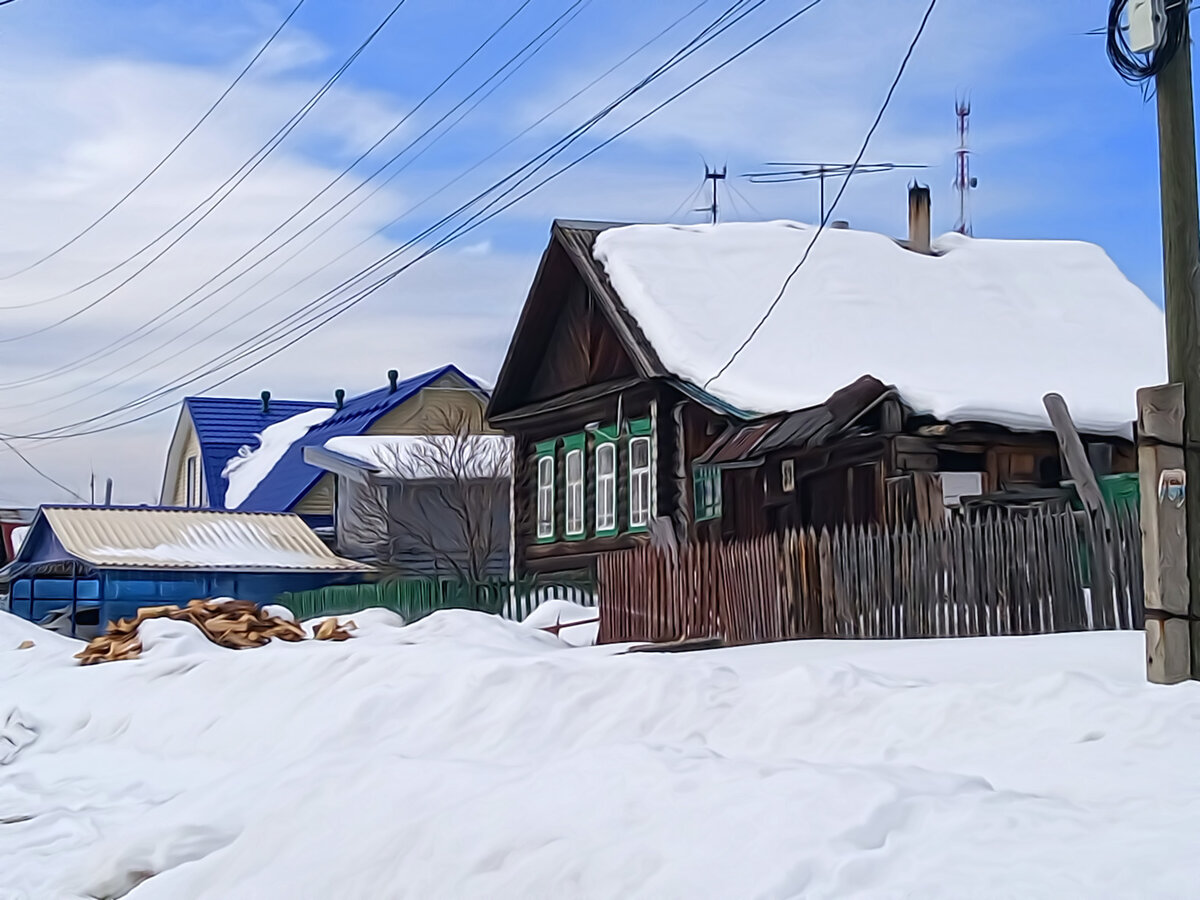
[(116, 559)]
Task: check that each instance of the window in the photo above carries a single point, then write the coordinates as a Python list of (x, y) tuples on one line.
[(606, 489), (639, 482), (574, 488), (545, 497), (192, 494), (706, 484)]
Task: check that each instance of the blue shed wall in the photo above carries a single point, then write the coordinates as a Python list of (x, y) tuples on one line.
[(119, 594)]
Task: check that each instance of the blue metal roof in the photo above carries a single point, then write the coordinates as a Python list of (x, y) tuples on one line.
[(292, 477), (225, 424)]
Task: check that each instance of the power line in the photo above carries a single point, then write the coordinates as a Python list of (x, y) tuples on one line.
[(244, 171), (382, 228), (530, 127), (25, 459), (320, 318), (162, 162), (825, 218), (163, 317)]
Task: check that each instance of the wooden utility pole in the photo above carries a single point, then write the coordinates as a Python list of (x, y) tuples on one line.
[(1181, 269)]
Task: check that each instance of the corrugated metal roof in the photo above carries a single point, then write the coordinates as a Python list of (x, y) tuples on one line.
[(225, 424), (145, 538), (292, 477), (737, 444)]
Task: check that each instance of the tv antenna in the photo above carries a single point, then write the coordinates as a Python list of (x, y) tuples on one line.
[(714, 176), (786, 172)]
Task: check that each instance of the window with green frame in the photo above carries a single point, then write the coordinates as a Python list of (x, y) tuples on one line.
[(544, 491), (706, 488), (605, 466), (574, 487)]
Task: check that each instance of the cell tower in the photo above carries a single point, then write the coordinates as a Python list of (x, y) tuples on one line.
[(963, 182)]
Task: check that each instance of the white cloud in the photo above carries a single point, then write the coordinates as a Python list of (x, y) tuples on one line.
[(80, 130)]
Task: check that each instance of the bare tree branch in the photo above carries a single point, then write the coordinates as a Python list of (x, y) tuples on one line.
[(439, 496)]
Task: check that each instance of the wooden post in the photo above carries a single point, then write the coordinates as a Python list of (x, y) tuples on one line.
[(1164, 534), (1181, 268), (1080, 469)]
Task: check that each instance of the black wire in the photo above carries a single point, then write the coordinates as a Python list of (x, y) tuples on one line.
[(1139, 68), (25, 459), (686, 200), (475, 221), (162, 162), (821, 227), (705, 36), (163, 318), (205, 337), (236, 179)]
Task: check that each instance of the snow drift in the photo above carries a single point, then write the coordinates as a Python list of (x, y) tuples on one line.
[(464, 756)]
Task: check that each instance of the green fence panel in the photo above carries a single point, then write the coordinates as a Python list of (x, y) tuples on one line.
[(414, 598)]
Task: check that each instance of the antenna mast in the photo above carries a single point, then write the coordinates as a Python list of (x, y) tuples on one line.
[(963, 182), (714, 176)]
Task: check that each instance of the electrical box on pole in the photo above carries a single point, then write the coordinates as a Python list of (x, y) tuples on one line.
[(1147, 24)]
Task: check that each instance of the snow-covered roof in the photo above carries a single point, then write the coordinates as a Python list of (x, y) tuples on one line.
[(290, 477), (249, 467), (428, 456), (147, 538), (223, 426), (980, 330)]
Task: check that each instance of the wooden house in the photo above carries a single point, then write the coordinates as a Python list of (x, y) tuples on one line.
[(676, 383), (247, 454)]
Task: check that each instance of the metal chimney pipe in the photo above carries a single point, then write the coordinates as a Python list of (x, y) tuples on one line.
[(919, 238)]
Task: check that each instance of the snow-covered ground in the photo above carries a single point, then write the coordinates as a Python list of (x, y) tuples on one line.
[(464, 756)]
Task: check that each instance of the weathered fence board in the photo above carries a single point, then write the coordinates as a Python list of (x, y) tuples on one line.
[(992, 573)]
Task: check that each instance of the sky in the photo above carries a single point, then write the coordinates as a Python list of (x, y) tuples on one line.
[(222, 274)]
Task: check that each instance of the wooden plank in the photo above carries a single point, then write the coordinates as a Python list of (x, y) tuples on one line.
[(1074, 454), (1164, 532), (1160, 413), (828, 597), (1168, 654)]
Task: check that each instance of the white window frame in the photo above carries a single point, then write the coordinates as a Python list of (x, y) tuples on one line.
[(641, 487), (606, 488), (573, 485), (545, 497), (191, 469)]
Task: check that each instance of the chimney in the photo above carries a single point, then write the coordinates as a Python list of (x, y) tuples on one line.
[(393, 379), (266, 400), (340, 396), (918, 218)]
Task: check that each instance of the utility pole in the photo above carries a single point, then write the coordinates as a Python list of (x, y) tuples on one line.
[(1181, 268), (714, 176)]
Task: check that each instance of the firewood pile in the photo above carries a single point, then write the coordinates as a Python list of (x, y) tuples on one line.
[(236, 624)]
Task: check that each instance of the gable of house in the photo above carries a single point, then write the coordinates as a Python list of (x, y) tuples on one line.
[(209, 432), (571, 333)]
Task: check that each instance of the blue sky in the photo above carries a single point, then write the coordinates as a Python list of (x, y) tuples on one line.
[(97, 92)]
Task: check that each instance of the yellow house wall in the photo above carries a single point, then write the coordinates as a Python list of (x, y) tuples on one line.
[(426, 413), (191, 449)]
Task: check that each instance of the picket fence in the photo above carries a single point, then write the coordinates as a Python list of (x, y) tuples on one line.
[(994, 573)]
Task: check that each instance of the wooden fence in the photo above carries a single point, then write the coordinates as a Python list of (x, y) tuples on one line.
[(994, 573)]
